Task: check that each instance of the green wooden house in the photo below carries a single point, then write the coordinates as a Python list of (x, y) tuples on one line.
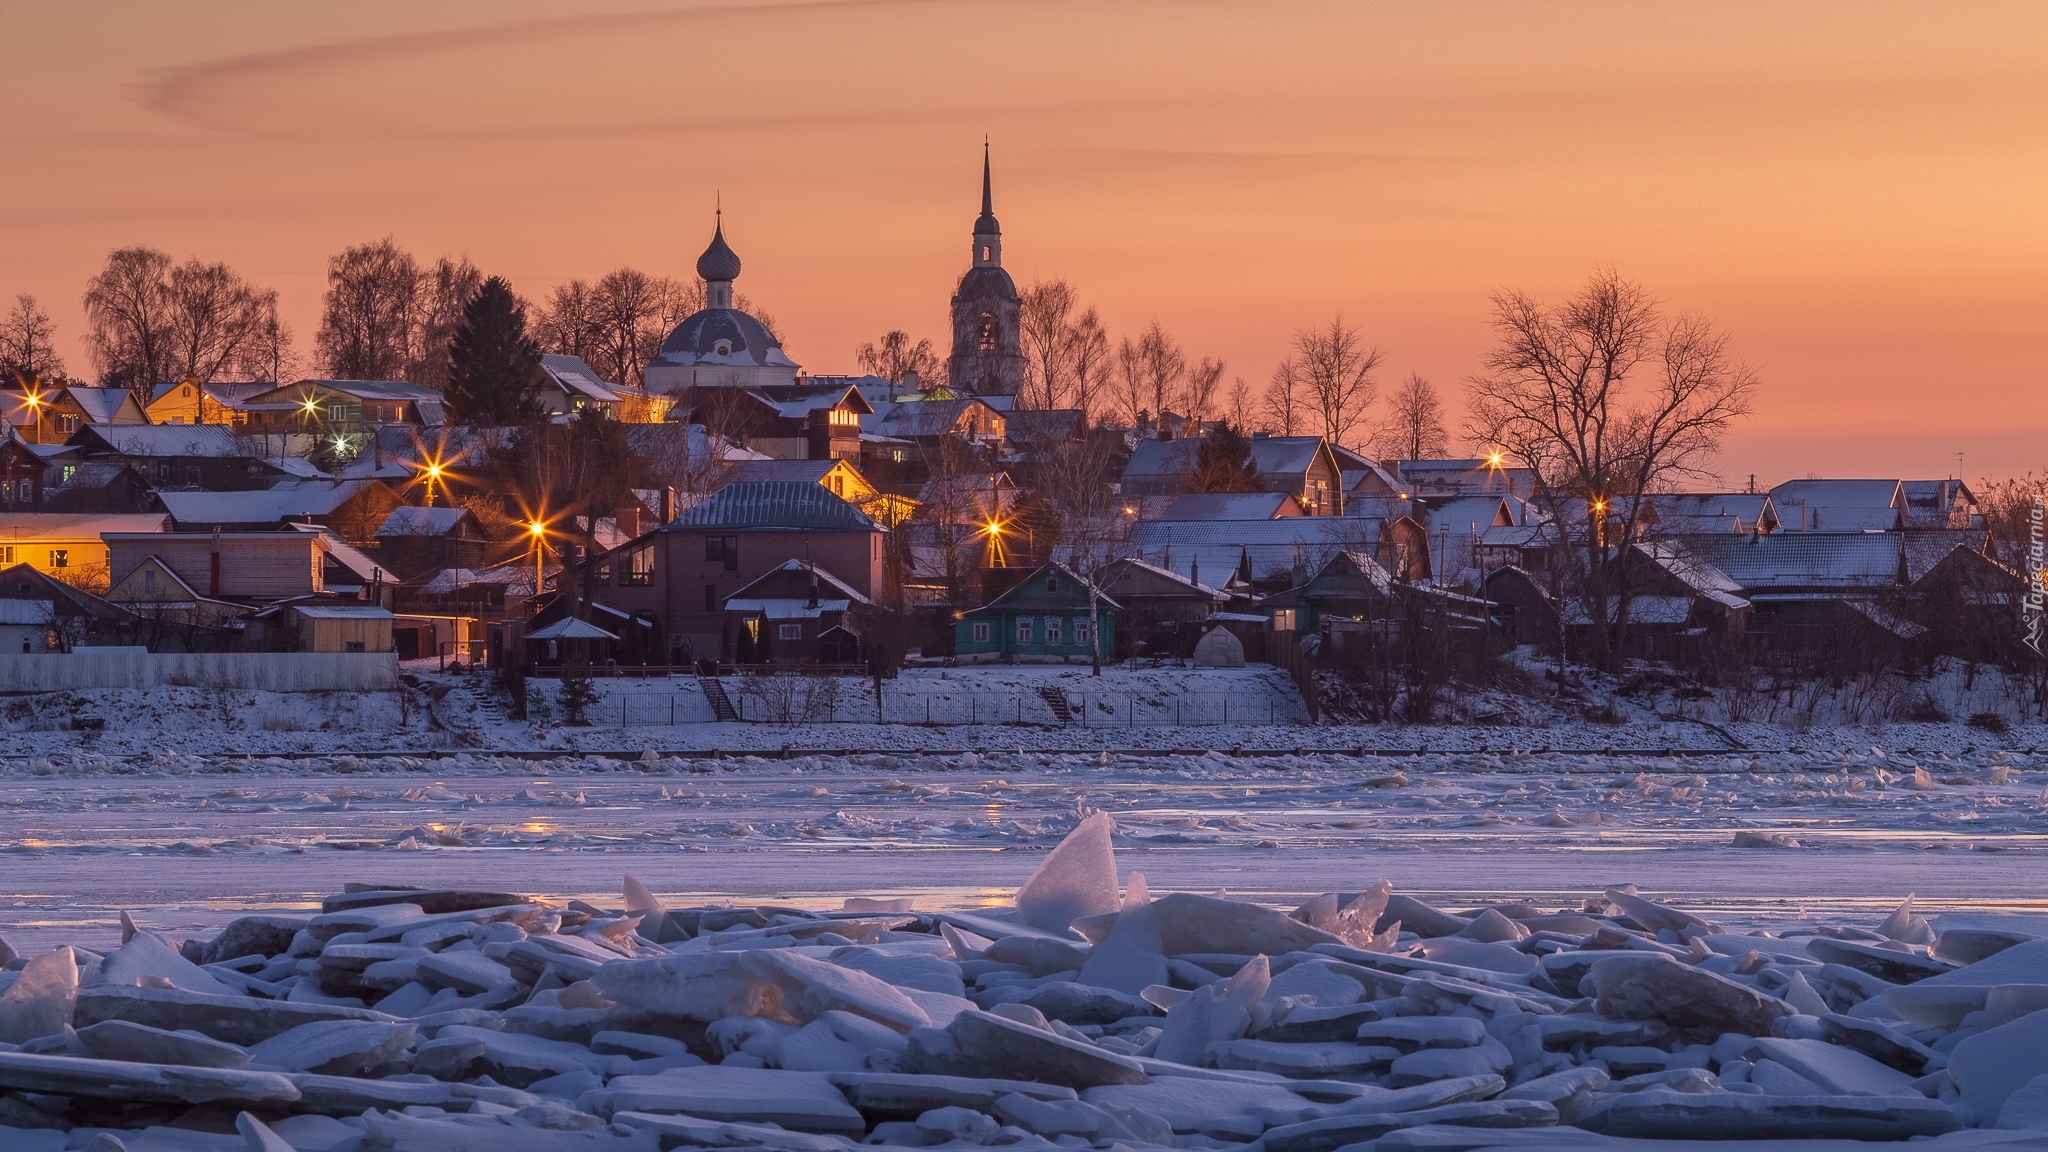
[(1046, 616)]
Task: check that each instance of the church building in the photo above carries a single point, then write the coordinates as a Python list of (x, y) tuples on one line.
[(988, 357), (721, 346)]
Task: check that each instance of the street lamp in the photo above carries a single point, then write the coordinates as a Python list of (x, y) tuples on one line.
[(537, 530)]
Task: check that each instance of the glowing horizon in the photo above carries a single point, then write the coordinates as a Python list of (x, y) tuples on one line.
[(1851, 192)]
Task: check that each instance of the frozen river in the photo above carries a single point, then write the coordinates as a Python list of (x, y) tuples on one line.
[(190, 842)]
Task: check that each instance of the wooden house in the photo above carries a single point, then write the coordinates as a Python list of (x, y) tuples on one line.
[(1050, 615)]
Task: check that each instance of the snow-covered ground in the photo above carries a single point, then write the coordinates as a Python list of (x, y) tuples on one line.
[(199, 838)]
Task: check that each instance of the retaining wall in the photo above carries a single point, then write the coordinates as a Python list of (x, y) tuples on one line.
[(266, 671)]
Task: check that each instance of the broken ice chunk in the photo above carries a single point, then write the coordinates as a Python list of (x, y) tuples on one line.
[(39, 1002), (1078, 878)]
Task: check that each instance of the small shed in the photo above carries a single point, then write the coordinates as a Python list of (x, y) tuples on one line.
[(343, 628), (1219, 649), (1050, 614), (25, 625)]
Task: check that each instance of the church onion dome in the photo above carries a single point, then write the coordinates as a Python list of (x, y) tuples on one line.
[(723, 336), (719, 261), (990, 281)]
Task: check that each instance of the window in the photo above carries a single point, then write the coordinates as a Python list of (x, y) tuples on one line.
[(163, 471), (177, 420), (604, 573), (985, 334), (1283, 619), (186, 392), (789, 631), (337, 412), (896, 455), (981, 632), (1052, 631), (725, 549), (149, 580), (711, 597), (60, 557), (1052, 583), (6, 553), (1024, 630), (1082, 630), (639, 567), (70, 470), (723, 349), (351, 645)]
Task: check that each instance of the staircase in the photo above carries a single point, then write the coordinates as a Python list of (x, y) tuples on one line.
[(1056, 699), (721, 704)]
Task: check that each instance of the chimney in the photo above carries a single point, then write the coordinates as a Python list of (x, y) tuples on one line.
[(668, 503), (213, 583), (909, 383), (813, 601)]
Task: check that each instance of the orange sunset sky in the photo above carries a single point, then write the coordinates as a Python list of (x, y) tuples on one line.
[(1857, 191)]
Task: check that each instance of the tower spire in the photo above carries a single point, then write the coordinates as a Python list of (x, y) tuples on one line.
[(987, 203)]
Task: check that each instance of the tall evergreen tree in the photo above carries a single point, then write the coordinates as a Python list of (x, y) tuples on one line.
[(1223, 462), (494, 369)]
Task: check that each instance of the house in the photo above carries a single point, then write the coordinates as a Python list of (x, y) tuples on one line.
[(341, 407), (53, 415), (1940, 504), (70, 545), (680, 574), (413, 541), (1483, 476), (1159, 606), (1459, 531), (23, 471), (196, 402), (346, 570), (1840, 505), (837, 476), (78, 615), (1034, 430), (256, 567), (1052, 614), (796, 613), (1350, 584), (1280, 551), (1523, 604), (1232, 506), (929, 421), (166, 613), (1301, 466), (572, 386), (1703, 513), (204, 456), (353, 508)]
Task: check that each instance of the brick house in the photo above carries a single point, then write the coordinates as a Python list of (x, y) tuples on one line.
[(680, 574)]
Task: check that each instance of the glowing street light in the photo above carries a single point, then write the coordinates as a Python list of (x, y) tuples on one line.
[(538, 531), (1493, 459)]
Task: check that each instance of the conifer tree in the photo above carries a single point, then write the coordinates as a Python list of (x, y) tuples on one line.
[(1223, 462), (494, 368)]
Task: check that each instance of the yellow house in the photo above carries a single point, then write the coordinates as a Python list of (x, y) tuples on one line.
[(194, 402), (69, 545)]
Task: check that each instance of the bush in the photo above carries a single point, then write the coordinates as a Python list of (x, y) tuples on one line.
[(1990, 722), (577, 694)]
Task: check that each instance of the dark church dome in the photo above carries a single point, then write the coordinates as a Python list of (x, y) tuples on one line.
[(723, 336), (989, 282), (719, 261)]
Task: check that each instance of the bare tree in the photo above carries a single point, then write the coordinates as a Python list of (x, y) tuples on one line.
[(26, 350), (445, 291), (128, 318), (893, 357), (1606, 401), (1088, 357), (1083, 516), (1336, 367), (1242, 404), (370, 320), (1199, 395), (268, 353), (567, 324), (1415, 423), (1129, 369), (1286, 402), (1044, 330), (1164, 366), (152, 320)]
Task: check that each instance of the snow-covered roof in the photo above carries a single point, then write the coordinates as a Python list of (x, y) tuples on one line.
[(771, 507), (1285, 455), (1112, 573), (344, 553), (1232, 506), (1161, 460), (409, 521), (1466, 515), (1666, 610), (262, 506), (1689, 512), (1800, 560), (342, 611), (17, 526), (577, 378), (1927, 547), (1689, 569), (207, 440), (1839, 505), (1272, 545), (570, 628), (375, 389), (763, 471), (825, 577), (784, 607), (101, 405)]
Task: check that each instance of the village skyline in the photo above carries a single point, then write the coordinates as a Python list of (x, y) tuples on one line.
[(1836, 270)]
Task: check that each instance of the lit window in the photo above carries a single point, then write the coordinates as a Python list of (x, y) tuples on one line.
[(60, 557), (1024, 631), (980, 627), (640, 567), (7, 557), (789, 632)]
